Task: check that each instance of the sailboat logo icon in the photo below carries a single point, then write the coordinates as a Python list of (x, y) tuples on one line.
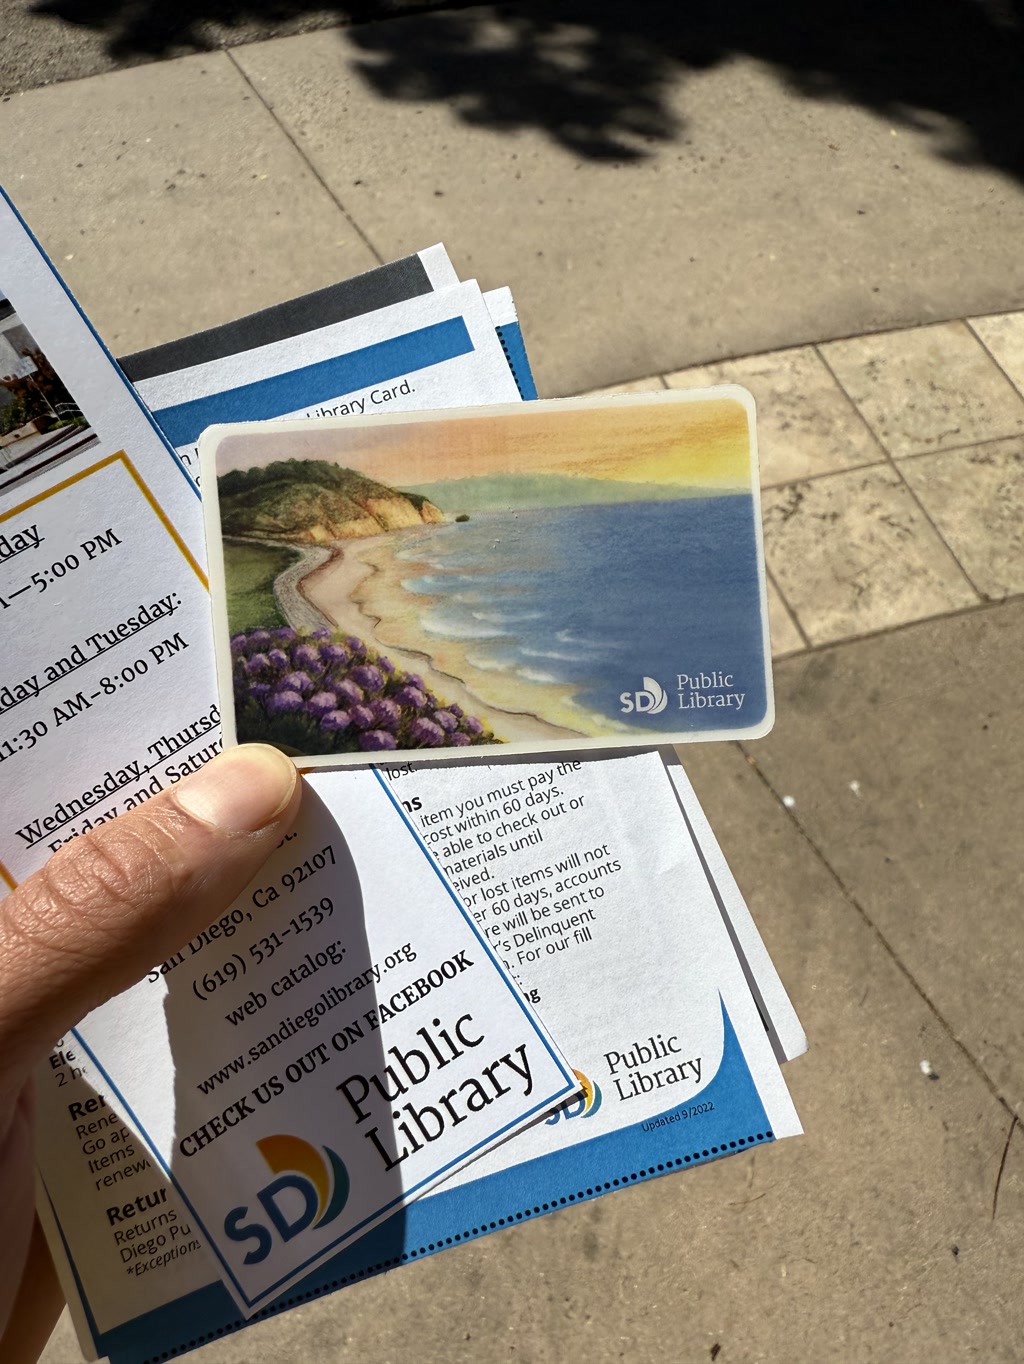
[(651, 699)]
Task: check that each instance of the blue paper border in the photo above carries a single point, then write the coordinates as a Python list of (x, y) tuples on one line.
[(510, 334), (320, 382)]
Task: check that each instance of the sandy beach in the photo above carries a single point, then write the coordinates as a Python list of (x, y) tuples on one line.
[(359, 590)]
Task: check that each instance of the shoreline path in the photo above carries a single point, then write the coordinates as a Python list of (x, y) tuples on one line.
[(292, 602)]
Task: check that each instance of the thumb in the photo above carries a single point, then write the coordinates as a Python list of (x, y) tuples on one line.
[(109, 904)]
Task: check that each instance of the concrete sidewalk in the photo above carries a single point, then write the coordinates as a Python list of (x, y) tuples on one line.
[(707, 213), (888, 880)]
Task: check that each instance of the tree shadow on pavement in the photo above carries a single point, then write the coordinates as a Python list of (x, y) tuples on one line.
[(599, 76)]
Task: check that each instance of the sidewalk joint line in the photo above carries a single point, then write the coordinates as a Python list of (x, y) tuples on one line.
[(986, 604), (852, 900), (991, 355), (960, 449), (942, 539), (1002, 1167), (826, 473), (789, 610), (229, 53), (890, 458)]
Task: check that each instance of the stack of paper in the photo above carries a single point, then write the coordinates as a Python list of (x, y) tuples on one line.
[(460, 995)]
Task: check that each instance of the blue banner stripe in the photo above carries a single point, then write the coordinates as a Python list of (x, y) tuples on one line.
[(267, 398)]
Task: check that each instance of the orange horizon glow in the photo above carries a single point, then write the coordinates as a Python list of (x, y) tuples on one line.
[(704, 442)]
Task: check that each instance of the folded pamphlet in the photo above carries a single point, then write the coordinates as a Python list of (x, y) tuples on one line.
[(110, 681)]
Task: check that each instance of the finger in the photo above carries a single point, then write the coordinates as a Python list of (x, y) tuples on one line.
[(115, 901), (17, 1207), (37, 1305)]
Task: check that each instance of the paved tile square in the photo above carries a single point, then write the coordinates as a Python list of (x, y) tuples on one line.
[(976, 499), (806, 424), (853, 553), (1003, 335), (926, 389)]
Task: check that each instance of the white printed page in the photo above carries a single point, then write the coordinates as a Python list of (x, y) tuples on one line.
[(437, 350), (780, 1018), (339, 1042), (381, 287), (584, 879), (107, 686), (437, 264), (108, 689), (134, 1244), (501, 306)]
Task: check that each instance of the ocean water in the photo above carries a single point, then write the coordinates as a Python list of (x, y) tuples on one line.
[(598, 597)]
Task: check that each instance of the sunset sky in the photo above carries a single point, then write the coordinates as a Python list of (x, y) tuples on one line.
[(700, 442)]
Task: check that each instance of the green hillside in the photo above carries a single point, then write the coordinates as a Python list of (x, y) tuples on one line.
[(313, 502)]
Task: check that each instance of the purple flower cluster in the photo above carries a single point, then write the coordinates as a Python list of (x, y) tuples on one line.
[(315, 692)]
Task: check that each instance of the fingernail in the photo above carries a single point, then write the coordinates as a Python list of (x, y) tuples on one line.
[(241, 790)]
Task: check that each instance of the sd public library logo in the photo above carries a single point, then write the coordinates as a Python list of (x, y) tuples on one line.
[(694, 691), (583, 1105), (321, 1181), (651, 699)]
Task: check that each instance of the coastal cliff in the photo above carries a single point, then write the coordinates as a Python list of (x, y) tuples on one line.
[(313, 502)]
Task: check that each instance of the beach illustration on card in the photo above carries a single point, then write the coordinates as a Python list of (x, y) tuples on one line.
[(552, 574)]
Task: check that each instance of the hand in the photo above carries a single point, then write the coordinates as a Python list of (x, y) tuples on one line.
[(88, 925)]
